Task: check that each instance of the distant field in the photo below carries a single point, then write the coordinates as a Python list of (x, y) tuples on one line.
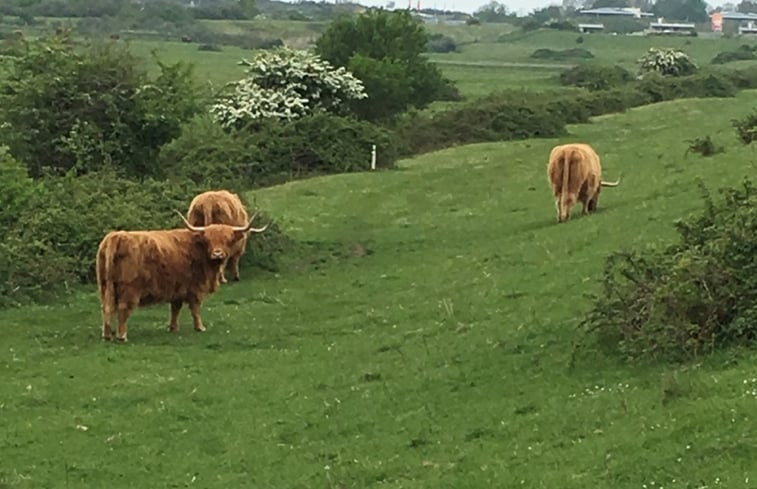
[(421, 339)]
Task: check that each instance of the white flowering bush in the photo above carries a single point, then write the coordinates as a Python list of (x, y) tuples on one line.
[(286, 84), (667, 61)]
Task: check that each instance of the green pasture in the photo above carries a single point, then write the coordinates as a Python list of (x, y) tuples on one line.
[(421, 336)]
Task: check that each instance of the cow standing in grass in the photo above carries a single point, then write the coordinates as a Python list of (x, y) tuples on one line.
[(142, 268), (221, 207), (575, 174)]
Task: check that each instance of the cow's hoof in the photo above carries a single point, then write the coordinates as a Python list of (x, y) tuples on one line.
[(171, 329), (121, 339), (107, 338), (200, 329), (236, 279)]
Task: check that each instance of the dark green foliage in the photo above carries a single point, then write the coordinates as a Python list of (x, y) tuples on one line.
[(736, 55), (546, 53), (689, 298), (498, 117), (516, 114), (596, 77), (276, 152), (703, 146), (209, 47), (383, 49), (53, 226), (439, 43), (747, 128), (65, 107)]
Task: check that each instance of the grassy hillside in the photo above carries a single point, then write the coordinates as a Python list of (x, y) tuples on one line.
[(421, 338)]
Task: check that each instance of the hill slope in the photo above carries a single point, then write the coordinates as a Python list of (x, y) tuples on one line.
[(422, 339)]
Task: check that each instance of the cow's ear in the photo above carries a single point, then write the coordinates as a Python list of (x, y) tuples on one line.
[(239, 235)]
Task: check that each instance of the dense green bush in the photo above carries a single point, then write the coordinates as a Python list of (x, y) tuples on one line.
[(54, 225), (692, 297), (560, 54), (596, 77), (746, 128), (439, 43), (742, 53), (384, 50), (516, 114), (277, 151), (64, 107), (498, 117)]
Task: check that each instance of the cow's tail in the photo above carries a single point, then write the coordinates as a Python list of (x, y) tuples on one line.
[(565, 194), (104, 271)]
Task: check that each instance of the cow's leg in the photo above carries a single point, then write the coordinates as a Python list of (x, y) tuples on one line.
[(234, 262), (175, 309), (594, 200), (223, 271), (194, 307), (123, 315), (107, 315), (557, 206)]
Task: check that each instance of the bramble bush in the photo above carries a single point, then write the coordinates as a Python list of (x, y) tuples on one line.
[(276, 151), (64, 106), (689, 298), (596, 77), (54, 224)]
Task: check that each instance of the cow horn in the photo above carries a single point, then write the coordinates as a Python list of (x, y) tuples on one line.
[(189, 226), (249, 228), (610, 184)]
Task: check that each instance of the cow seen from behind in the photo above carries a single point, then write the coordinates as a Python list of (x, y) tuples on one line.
[(174, 266), (221, 207), (575, 174)]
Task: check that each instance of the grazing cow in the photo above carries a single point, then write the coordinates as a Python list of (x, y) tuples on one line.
[(142, 268), (221, 207), (575, 174)]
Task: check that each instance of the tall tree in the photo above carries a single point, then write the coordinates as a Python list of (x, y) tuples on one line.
[(689, 10), (747, 7)]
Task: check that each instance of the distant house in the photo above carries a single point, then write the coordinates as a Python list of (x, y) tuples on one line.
[(588, 28), (671, 28)]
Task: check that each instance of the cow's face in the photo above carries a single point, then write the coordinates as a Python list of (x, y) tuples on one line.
[(218, 239)]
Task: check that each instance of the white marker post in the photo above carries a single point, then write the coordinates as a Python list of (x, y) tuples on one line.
[(373, 157)]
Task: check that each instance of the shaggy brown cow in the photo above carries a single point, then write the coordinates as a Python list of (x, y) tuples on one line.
[(575, 174), (142, 268), (221, 207)]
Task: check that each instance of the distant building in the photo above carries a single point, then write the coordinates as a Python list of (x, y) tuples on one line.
[(671, 28)]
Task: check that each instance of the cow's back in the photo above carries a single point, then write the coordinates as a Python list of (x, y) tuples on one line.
[(217, 207)]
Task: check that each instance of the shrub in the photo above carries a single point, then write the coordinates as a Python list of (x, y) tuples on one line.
[(689, 298), (746, 128), (546, 53), (667, 61), (737, 55), (277, 151), (209, 47), (285, 84), (498, 117), (52, 244), (596, 77), (704, 146), (64, 107), (439, 43)]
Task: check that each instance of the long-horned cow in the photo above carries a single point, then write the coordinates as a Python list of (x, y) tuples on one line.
[(143, 268), (221, 207), (575, 174)]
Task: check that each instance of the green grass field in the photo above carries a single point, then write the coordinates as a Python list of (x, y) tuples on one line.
[(424, 340)]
